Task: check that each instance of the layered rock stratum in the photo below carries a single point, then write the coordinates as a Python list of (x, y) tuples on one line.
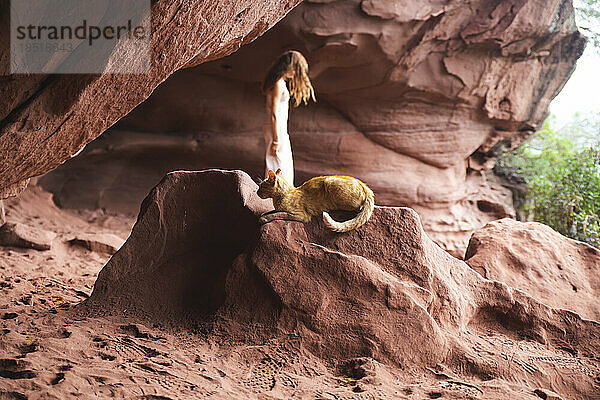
[(197, 258), (414, 98)]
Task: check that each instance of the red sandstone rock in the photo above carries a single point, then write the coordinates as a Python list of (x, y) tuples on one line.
[(28, 237), (534, 258), (197, 256), (98, 242), (2, 213), (13, 190), (45, 120), (185, 221), (414, 98)]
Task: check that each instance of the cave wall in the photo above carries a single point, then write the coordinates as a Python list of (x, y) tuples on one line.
[(46, 119), (414, 98)]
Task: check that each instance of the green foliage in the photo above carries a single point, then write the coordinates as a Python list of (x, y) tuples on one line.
[(562, 172), (587, 14)]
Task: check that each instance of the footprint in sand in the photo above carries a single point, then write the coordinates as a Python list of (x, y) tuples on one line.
[(60, 376), (125, 348), (10, 315), (16, 369), (12, 396), (28, 348)]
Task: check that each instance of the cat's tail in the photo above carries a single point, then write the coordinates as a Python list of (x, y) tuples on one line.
[(362, 217)]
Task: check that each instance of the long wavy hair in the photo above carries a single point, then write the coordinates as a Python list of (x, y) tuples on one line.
[(299, 84)]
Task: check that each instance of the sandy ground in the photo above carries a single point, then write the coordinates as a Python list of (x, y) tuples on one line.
[(49, 349)]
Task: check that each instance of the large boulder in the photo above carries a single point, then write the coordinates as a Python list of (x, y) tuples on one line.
[(198, 258), (189, 235), (46, 119), (534, 258), (25, 236), (415, 99)]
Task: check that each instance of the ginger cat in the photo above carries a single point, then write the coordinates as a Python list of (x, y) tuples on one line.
[(315, 197)]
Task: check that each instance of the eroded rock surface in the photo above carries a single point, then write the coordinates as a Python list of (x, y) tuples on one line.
[(414, 98), (46, 119), (383, 291), (534, 258), (98, 242), (24, 236), (171, 234), (2, 213)]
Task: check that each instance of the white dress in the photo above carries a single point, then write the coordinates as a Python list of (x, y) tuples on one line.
[(283, 160)]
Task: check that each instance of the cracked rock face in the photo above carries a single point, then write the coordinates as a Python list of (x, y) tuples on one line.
[(414, 98), (46, 119), (198, 258)]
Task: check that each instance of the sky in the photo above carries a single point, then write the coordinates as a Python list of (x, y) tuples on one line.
[(581, 93)]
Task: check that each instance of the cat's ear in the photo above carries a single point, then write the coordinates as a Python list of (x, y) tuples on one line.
[(278, 171), (271, 176)]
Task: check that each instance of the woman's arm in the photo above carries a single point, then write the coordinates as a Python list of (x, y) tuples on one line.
[(275, 105)]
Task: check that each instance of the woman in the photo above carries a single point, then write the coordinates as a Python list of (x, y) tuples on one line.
[(289, 71)]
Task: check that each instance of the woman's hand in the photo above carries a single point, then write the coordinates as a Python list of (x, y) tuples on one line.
[(274, 148)]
